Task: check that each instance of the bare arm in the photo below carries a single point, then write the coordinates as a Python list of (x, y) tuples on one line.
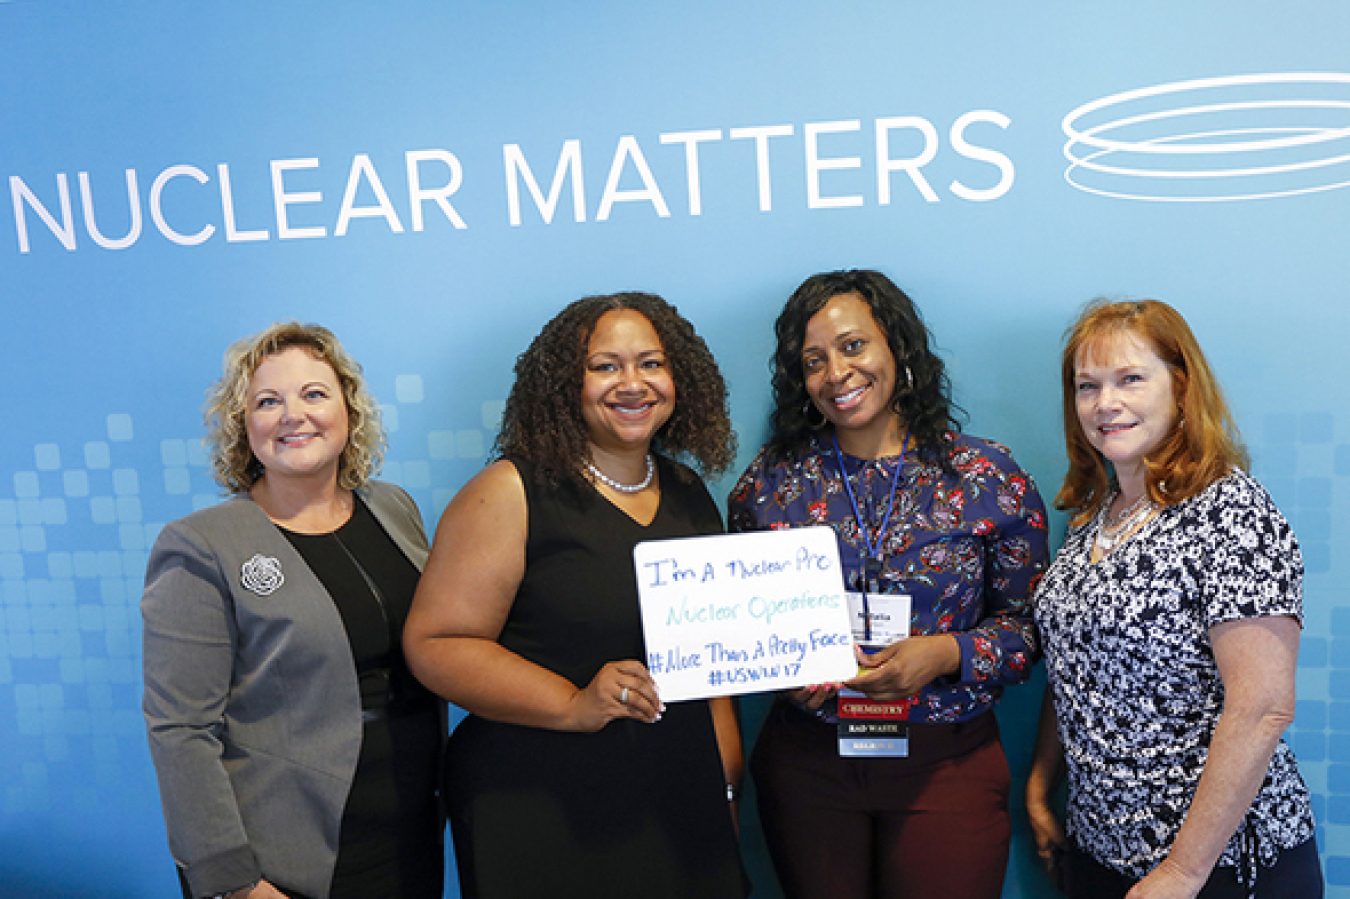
[(462, 603), (728, 728), (1047, 770), (1257, 658), (727, 725)]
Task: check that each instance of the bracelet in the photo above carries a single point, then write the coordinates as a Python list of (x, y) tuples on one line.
[(820, 713), (733, 792)]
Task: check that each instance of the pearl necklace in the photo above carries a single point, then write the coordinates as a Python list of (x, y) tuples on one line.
[(1110, 533), (623, 488)]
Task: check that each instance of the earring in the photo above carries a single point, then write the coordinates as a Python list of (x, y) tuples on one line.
[(909, 378), (806, 414)]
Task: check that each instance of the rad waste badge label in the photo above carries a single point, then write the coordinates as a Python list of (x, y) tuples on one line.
[(744, 613)]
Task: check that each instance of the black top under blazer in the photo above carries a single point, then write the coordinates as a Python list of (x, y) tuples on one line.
[(251, 697)]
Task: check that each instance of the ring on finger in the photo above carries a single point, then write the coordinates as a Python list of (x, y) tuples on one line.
[(623, 696)]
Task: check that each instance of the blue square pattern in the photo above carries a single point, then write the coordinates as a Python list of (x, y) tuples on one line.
[(441, 444), (1338, 716), (1313, 525), (97, 455), (1273, 459), (1339, 748), (1281, 488), (1338, 870), (1312, 652), (470, 444), (1341, 463), (173, 453), (1309, 746), (1310, 714), (26, 485), (1338, 809), (409, 389), (1338, 779), (1314, 493), (1316, 427), (1340, 621), (47, 456), (120, 427), (1281, 427), (1339, 686), (76, 482)]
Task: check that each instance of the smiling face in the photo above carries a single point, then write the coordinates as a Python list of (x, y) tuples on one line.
[(850, 376), (627, 392), (1125, 396), (296, 416)]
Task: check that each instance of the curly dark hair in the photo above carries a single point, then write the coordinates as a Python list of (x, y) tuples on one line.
[(542, 421), (926, 407)]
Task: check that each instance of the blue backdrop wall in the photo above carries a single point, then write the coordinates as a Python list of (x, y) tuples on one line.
[(434, 180)]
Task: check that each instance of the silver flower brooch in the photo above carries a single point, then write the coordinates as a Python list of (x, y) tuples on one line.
[(261, 575)]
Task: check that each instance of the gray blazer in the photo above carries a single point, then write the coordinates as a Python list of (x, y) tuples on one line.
[(251, 697)]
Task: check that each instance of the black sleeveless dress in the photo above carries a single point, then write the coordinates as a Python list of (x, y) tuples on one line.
[(632, 810)]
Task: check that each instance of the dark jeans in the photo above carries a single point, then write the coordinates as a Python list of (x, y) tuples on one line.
[(1296, 874)]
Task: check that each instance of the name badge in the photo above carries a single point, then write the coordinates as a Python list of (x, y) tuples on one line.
[(873, 739), (868, 728), (888, 614)]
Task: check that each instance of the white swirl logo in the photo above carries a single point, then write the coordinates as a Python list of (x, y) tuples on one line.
[(1240, 137), (261, 575)]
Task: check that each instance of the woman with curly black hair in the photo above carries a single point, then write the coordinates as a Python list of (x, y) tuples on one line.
[(543, 422), (571, 778), (896, 784)]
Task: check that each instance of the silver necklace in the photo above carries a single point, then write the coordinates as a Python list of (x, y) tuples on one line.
[(1115, 531), (623, 488)]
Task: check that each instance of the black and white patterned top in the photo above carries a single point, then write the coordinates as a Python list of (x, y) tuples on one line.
[(1137, 691)]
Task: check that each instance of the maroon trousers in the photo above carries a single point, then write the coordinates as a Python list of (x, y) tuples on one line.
[(934, 824)]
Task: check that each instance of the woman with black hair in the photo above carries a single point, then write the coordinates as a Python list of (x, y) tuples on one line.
[(942, 538), (570, 777)]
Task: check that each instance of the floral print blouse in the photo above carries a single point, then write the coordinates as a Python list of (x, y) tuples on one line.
[(1136, 687), (968, 548)]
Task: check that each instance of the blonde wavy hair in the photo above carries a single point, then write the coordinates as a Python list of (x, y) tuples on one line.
[(1204, 444), (233, 464)]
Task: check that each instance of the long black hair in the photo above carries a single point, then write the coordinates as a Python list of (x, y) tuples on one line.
[(922, 399)]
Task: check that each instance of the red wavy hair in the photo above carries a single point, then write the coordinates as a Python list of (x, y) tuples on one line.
[(1204, 443)]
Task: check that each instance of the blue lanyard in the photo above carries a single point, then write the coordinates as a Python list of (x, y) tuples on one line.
[(873, 549)]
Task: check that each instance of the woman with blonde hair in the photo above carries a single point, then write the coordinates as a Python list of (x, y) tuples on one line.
[(1170, 620), (296, 754)]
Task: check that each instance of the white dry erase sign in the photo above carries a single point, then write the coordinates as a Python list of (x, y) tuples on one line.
[(744, 613)]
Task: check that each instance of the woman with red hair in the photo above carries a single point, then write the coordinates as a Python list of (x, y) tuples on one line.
[(1170, 621)]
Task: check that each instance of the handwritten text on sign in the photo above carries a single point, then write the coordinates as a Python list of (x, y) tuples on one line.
[(744, 613)]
